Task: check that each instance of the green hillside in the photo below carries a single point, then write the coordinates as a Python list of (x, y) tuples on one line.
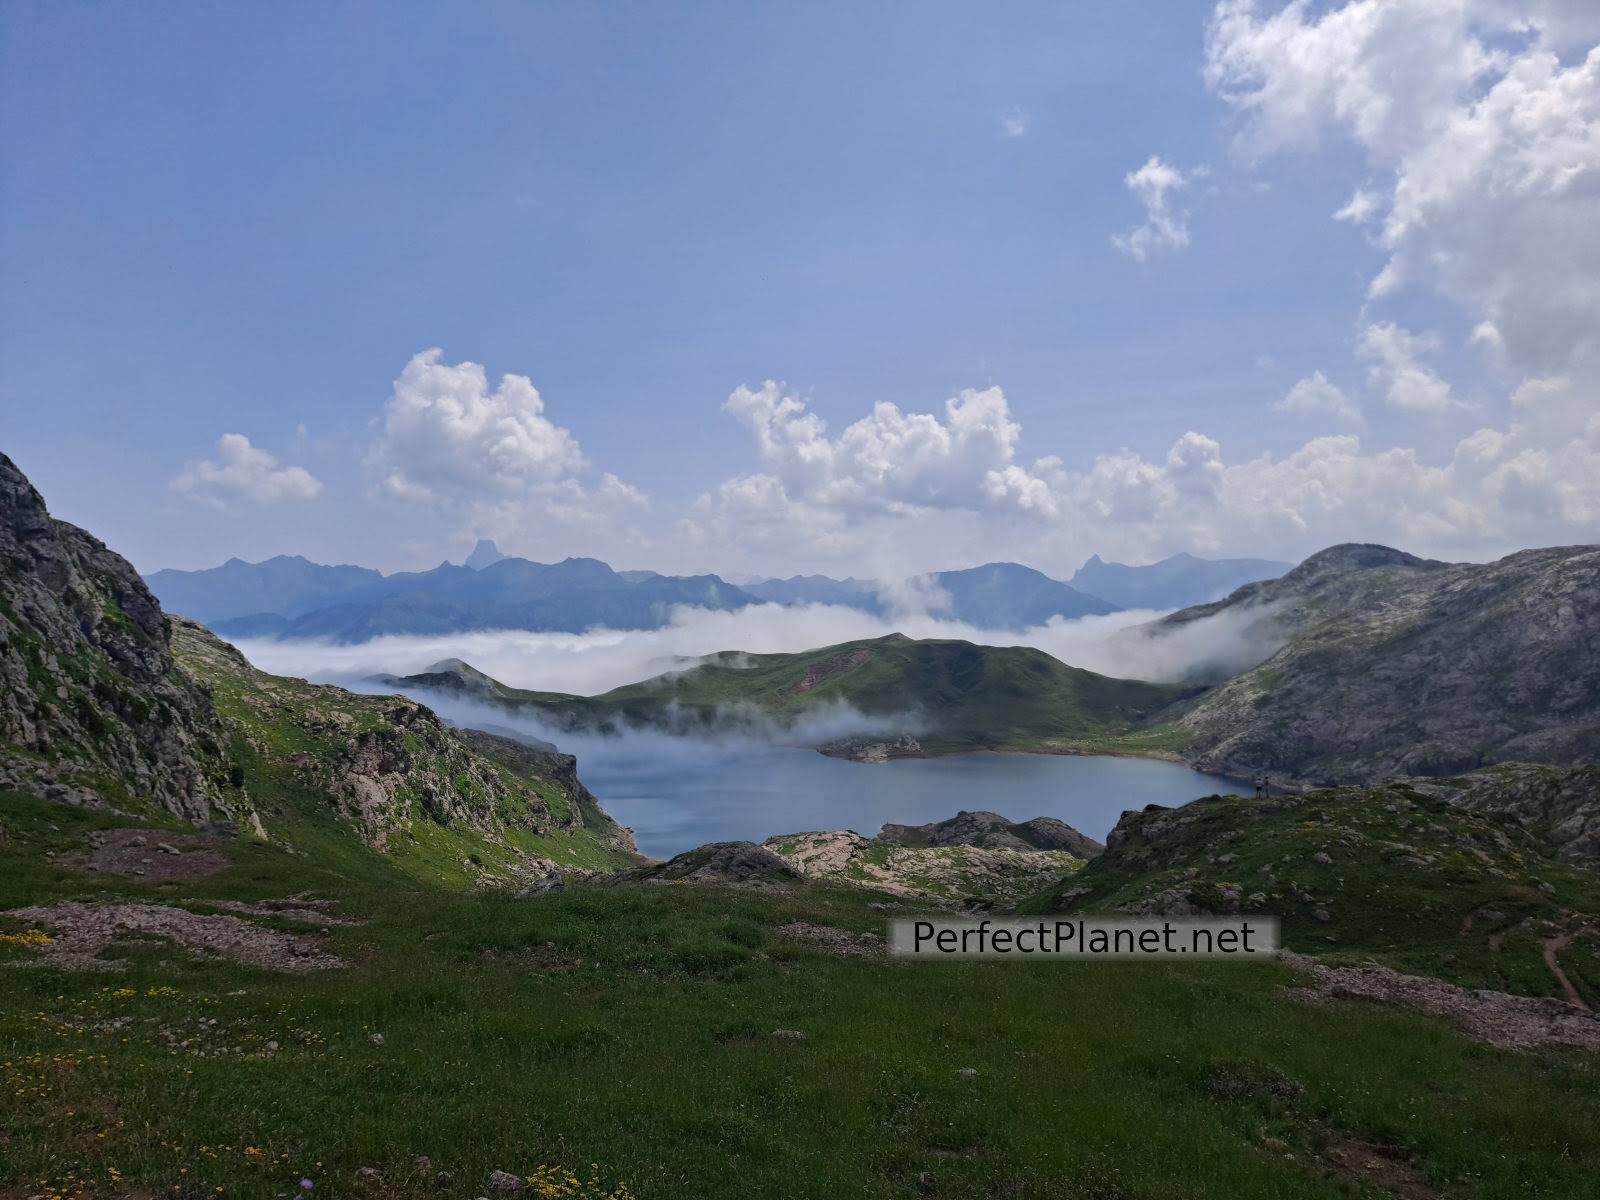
[(951, 695), (1454, 878), (455, 807)]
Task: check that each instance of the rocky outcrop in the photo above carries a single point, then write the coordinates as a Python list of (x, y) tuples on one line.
[(528, 757), (993, 831), (743, 863), (1560, 808), (1390, 665), (954, 875), (91, 706), (869, 750), (972, 859)]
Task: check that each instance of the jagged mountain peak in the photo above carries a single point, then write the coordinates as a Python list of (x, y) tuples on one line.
[(484, 554)]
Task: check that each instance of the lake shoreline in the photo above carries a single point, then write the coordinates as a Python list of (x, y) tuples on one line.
[(754, 793)]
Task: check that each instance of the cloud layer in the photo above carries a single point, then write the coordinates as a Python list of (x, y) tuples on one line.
[(593, 662)]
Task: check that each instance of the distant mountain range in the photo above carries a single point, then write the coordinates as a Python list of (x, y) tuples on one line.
[(1175, 582), (291, 597)]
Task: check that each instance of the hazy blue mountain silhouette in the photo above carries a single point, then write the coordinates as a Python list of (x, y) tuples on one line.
[(289, 596), (1175, 582)]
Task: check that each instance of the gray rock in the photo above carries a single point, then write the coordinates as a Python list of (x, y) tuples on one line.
[(1356, 629), (148, 724)]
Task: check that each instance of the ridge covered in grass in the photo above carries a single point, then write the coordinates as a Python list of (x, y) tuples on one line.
[(951, 695)]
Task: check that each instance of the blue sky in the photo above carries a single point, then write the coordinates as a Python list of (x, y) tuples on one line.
[(247, 221)]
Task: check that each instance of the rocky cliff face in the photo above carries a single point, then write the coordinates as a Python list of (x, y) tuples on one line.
[(91, 706), (1392, 665), (386, 762), (103, 699)]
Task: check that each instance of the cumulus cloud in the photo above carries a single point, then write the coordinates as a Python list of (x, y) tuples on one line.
[(446, 435), (914, 490), (243, 472), (1392, 355), (1480, 123), (889, 461), (1315, 395), (489, 457), (1165, 225)]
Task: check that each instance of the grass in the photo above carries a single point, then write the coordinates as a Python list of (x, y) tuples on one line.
[(631, 1028), (1409, 881)]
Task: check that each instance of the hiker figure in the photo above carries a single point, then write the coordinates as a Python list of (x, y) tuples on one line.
[(1266, 786), (1261, 781)]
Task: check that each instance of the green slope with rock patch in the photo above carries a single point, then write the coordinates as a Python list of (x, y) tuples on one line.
[(1457, 878)]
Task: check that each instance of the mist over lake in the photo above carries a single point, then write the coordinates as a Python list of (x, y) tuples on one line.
[(709, 793)]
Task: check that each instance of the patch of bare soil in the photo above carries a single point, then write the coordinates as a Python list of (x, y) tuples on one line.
[(1510, 1022), (833, 940), (154, 854), (79, 932), (294, 908), (1386, 1168)]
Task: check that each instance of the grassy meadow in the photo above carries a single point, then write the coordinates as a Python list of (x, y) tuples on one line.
[(620, 1041)]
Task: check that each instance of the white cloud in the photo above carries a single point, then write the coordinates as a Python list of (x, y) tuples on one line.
[(1360, 208), (243, 472), (1480, 121), (913, 491), (1392, 355), (490, 459), (446, 436), (889, 461), (1165, 225), (1014, 123), (1315, 395)]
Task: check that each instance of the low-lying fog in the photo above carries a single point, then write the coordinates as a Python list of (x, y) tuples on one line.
[(588, 663)]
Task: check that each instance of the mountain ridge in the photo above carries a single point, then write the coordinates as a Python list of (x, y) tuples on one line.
[(1389, 665), (944, 694), (290, 597)]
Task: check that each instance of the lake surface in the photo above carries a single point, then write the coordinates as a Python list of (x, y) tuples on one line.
[(680, 797)]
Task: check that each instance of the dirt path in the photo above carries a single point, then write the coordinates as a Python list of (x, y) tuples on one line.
[(1553, 947)]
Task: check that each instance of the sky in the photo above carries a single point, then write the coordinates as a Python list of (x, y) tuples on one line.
[(768, 289)]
